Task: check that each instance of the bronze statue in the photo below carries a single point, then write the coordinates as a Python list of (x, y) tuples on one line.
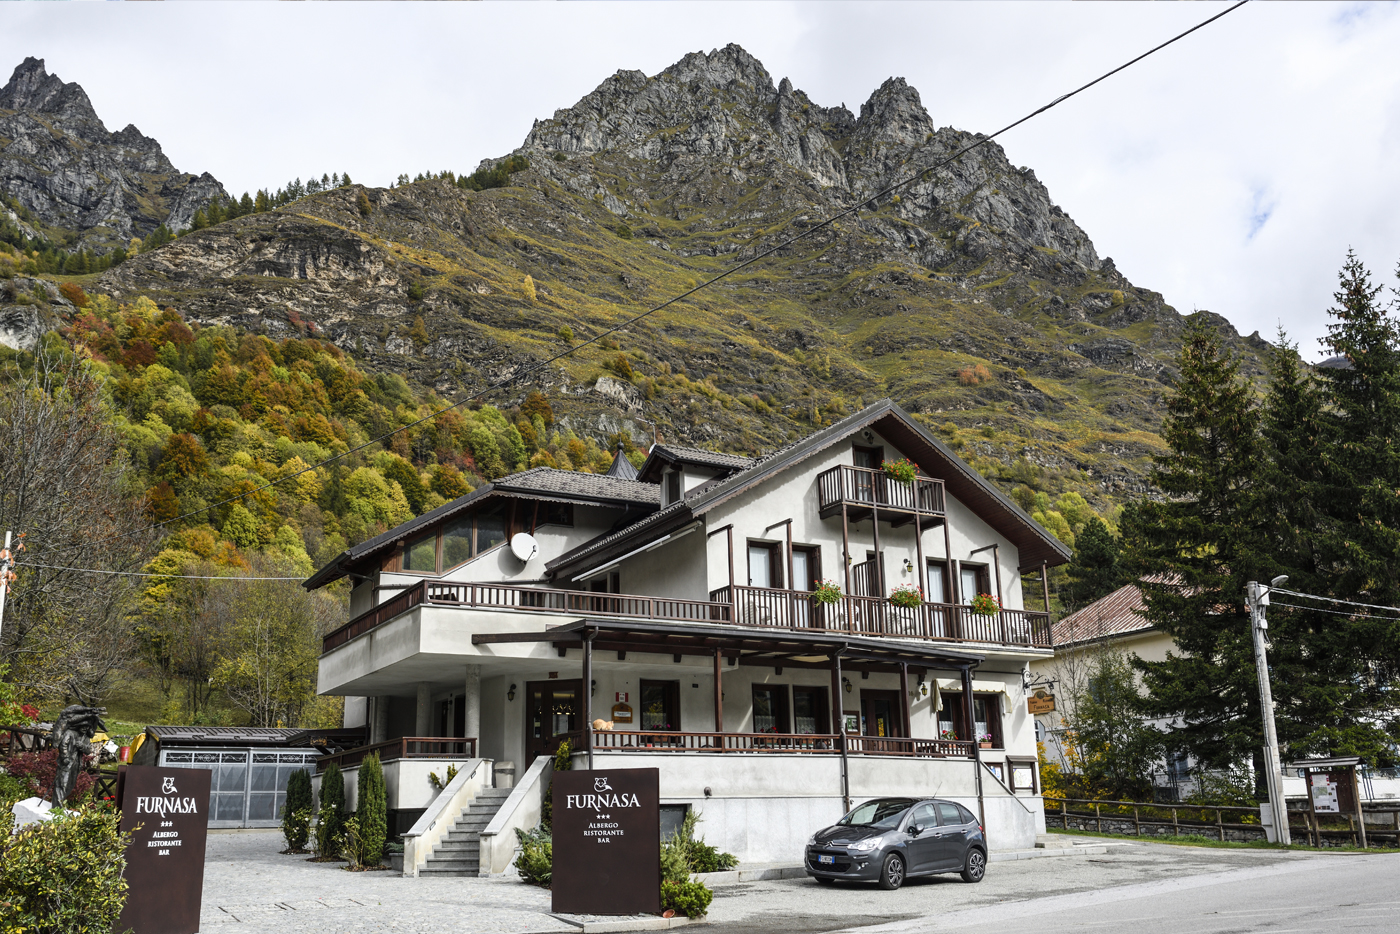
[(72, 737)]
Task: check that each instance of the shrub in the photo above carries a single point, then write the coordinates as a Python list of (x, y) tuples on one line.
[(560, 157), (362, 202), (440, 783), (563, 761), (331, 816), (416, 292), (624, 231), (353, 843), (691, 899), (535, 862), (974, 375), (566, 334), (296, 813), (495, 177), (74, 293), (528, 288), (620, 366), (372, 811), (694, 855), (37, 770), (65, 875)]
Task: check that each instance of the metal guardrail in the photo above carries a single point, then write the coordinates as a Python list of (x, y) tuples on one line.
[(405, 747)]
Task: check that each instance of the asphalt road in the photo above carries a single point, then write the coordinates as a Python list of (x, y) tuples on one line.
[(1143, 890)]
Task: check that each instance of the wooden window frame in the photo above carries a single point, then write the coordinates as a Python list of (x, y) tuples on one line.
[(941, 566), (784, 712), (814, 565), (984, 580), (953, 702), (675, 486), (878, 454), (672, 701), (567, 510), (1025, 762), (823, 704), (776, 571), (394, 562)]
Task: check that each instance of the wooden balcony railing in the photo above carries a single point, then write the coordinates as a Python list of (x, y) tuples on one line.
[(534, 599), (754, 606), (862, 488), (788, 743), (405, 747), (876, 616)]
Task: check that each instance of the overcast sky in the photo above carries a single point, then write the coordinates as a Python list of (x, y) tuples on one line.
[(1229, 172)]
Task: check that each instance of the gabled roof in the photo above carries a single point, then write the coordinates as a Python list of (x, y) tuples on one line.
[(1033, 542), (668, 455), (547, 483), (1118, 614)]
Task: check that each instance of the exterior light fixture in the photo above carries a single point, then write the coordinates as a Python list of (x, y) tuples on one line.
[(908, 565), (593, 687), (510, 693), (847, 682)]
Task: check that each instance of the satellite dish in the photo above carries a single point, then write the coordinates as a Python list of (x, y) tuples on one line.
[(524, 546)]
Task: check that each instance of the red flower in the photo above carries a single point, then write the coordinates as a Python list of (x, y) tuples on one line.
[(30, 711)]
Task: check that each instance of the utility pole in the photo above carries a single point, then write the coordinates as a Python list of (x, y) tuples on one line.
[(1257, 597)]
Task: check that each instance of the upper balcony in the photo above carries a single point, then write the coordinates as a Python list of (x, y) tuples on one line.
[(863, 491), (745, 606)]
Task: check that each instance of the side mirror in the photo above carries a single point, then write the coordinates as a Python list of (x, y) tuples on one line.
[(916, 829)]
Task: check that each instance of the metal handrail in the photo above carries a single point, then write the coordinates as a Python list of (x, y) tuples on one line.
[(405, 747)]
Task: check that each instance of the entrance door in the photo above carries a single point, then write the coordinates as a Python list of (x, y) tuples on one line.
[(553, 711), (880, 715)]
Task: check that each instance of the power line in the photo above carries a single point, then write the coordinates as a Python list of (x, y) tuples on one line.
[(916, 176), (186, 577), (1313, 596), (1316, 609)]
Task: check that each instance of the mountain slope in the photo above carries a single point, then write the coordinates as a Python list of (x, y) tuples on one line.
[(971, 298), (77, 181)]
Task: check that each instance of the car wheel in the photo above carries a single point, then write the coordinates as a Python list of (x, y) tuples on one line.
[(892, 873), (976, 866), (823, 880)]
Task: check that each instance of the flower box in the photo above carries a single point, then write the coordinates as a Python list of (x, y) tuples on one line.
[(906, 596), (984, 604), (901, 470)]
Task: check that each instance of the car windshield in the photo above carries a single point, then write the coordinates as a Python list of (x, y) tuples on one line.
[(881, 814)]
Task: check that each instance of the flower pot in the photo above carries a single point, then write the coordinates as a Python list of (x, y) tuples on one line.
[(985, 745)]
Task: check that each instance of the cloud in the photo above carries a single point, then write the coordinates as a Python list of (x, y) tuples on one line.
[(1230, 171)]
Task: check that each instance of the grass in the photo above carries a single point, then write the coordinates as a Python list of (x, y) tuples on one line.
[(1203, 841)]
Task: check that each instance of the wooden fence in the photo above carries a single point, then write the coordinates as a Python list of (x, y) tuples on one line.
[(1143, 818)]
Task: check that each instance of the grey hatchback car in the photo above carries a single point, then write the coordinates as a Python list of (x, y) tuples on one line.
[(888, 840)]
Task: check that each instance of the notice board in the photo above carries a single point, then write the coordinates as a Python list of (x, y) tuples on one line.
[(607, 842), (166, 811)]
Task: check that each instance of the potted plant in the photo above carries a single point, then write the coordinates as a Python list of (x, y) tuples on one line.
[(901, 470), (826, 593), (985, 740), (984, 604), (906, 596)]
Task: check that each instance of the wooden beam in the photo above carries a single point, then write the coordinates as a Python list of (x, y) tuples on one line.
[(904, 697), (719, 695)]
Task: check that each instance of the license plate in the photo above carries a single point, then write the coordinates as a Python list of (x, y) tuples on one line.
[(826, 860)]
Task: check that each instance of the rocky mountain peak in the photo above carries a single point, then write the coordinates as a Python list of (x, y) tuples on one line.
[(58, 160), (723, 67), (32, 88)]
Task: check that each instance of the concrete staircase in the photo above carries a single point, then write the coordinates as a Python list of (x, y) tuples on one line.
[(459, 853)]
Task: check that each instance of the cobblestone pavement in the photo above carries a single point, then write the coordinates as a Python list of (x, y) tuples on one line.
[(249, 887)]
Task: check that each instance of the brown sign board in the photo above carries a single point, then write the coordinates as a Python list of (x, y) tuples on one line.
[(1040, 703), (166, 811), (607, 842)]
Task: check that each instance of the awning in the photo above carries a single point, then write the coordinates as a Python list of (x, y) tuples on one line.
[(747, 645), (955, 686)]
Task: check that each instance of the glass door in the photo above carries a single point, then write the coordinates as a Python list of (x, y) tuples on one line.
[(553, 711)]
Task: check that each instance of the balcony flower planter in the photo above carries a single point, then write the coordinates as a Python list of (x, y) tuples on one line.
[(985, 745), (827, 593), (984, 604), (901, 470), (906, 596)]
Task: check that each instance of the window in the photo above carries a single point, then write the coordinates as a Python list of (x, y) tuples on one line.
[(770, 714), (986, 712), (937, 582), (421, 554), (490, 528), (972, 580), (456, 542), (806, 567), (948, 814), (810, 711), (673, 487), (765, 566), (869, 458), (923, 817), (558, 514), (661, 705)]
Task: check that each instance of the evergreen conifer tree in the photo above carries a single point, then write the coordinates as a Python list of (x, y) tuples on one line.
[(245, 205), (1201, 543), (332, 811), (344, 179), (1094, 572), (261, 203), (214, 213), (372, 813), (199, 221)]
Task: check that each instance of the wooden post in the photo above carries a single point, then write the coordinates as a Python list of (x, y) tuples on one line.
[(971, 715), (1045, 584), (1064, 814), (904, 697), (1137, 821), (920, 569), (1360, 814), (719, 696), (1314, 831), (1220, 824), (1176, 827), (1098, 818), (846, 546), (587, 689), (733, 584)]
